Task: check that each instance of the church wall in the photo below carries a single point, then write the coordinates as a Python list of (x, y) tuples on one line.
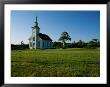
[(46, 44), (38, 44), (41, 43), (30, 44)]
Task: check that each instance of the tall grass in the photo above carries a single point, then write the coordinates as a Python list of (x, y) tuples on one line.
[(70, 62)]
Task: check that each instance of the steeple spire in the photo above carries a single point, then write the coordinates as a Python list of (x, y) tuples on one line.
[(36, 18), (36, 22)]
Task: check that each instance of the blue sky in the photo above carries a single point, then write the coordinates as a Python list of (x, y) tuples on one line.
[(81, 25)]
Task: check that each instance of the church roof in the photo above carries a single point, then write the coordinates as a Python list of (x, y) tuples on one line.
[(44, 37)]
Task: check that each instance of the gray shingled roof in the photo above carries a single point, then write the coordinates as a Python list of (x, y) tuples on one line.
[(44, 37)]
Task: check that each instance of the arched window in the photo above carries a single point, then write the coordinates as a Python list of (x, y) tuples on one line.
[(33, 38)]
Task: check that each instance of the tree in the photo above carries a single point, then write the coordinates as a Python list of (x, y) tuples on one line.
[(80, 43), (57, 44), (22, 43), (64, 37), (74, 45), (94, 43)]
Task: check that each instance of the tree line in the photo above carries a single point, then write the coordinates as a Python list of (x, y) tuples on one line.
[(80, 44), (19, 46), (94, 43)]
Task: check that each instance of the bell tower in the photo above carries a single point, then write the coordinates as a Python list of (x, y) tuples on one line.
[(36, 27), (35, 32)]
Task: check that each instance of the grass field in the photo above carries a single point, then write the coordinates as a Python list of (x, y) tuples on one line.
[(71, 62)]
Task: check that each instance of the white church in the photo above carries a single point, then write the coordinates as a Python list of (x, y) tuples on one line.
[(39, 40)]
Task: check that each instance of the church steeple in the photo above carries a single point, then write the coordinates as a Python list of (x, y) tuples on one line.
[(36, 24)]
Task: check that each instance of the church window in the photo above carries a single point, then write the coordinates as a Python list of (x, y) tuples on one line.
[(33, 38)]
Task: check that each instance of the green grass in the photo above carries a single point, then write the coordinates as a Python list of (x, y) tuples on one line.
[(71, 62)]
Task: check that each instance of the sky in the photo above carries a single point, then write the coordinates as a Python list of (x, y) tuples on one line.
[(80, 25)]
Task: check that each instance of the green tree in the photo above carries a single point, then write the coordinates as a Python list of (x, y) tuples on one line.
[(95, 40), (80, 43), (94, 43), (64, 37), (22, 43)]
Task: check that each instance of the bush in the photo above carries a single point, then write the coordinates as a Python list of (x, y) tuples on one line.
[(19, 47)]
